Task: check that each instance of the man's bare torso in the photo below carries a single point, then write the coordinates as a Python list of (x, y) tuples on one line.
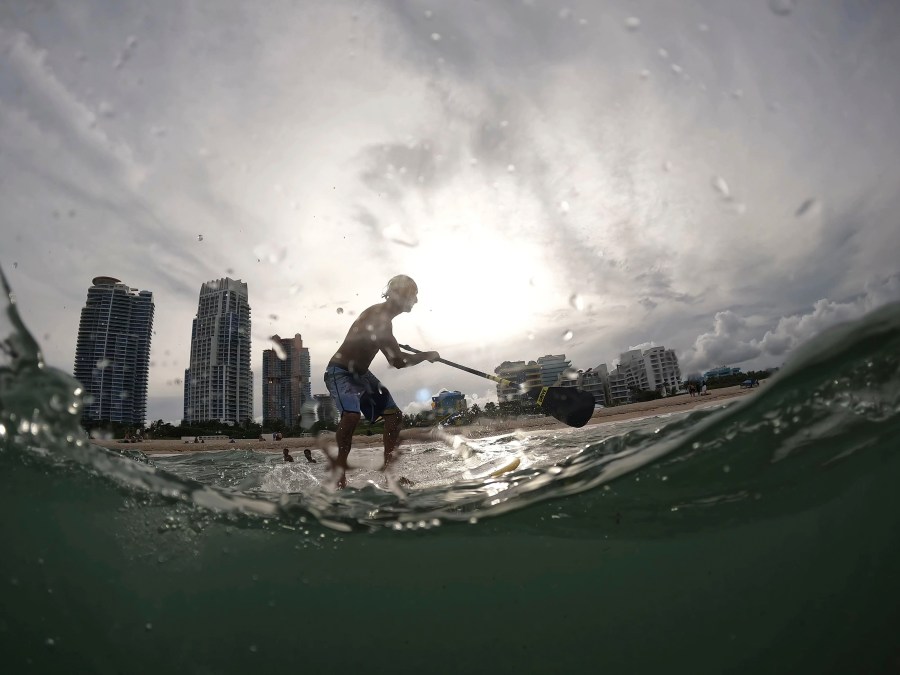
[(371, 332)]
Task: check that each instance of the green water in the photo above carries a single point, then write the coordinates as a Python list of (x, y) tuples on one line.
[(808, 591)]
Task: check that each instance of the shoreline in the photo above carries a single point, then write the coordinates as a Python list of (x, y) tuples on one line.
[(671, 404)]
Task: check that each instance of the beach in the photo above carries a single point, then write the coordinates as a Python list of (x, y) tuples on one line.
[(482, 428)]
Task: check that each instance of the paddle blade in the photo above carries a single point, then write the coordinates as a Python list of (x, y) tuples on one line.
[(567, 404)]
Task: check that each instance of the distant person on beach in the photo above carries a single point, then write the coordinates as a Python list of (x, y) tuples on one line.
[(287, 456), (308, 454), (355, 390)]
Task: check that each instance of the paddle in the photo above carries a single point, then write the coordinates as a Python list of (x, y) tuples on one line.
[(567, 404)]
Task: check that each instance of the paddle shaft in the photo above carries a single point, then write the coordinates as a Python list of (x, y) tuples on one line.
[(499, 380)]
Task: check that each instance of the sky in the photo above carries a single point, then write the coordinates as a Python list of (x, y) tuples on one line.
[(574, 177)]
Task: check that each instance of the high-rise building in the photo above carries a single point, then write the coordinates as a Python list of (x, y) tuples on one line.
[(112, 356), (285, 380), (218, 385)]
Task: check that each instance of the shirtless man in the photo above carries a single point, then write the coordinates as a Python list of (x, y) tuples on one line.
[(355, 390)]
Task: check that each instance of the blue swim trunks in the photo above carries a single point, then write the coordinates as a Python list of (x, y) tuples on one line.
[(362, 394)]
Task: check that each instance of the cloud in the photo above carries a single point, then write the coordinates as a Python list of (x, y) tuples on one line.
[(735, 340)]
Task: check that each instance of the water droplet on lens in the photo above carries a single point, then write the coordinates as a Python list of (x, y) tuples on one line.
[(721, 186), (576, 301), (632, 23), (808, 208), (340, 310), (702, 27), (278, 349), (103, 364), (199, 237), (511, 168), (568, 335), (436, 37), (782, 7), (663, 53), (564, 207)]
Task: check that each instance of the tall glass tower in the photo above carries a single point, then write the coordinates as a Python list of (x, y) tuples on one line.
[(285, 380), (218, 385), (112, 357)]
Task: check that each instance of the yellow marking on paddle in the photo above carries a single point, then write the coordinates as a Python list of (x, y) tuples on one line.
[(504, 469), (540, 398)]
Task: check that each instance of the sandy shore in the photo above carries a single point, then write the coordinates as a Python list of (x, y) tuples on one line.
[(623, 412)]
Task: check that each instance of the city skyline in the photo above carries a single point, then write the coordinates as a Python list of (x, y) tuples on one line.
[(550, 369)]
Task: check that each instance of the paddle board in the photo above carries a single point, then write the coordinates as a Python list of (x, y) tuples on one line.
[(493, 469)]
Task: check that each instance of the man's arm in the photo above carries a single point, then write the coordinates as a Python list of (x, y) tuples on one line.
[(400, 359)]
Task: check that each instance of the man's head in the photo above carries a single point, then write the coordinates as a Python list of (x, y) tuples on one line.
[(401, 291)]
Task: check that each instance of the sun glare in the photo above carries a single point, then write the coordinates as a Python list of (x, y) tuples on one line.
[(480, 287)]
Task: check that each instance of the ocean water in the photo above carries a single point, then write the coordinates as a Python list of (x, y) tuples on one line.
[(759, 536)]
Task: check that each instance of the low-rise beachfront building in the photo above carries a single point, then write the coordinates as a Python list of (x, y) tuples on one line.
[(552, 368), (593, 381), (448, 403), (663, 372), (521, 375), (112, 354), (619, 392), (721, 371)]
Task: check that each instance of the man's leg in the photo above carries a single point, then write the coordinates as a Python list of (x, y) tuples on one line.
[(344, 435), (393, 422)]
